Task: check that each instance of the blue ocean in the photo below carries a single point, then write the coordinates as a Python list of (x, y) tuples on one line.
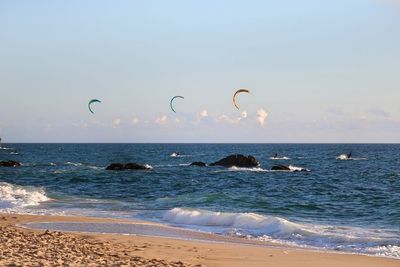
[(350, 205)]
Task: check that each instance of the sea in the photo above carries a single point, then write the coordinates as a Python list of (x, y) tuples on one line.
[(344, 204)]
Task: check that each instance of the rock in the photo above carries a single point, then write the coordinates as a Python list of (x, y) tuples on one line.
[(127, 166), (198, 163), (288, 168), (237, 161), (280, 168), (9, 163)]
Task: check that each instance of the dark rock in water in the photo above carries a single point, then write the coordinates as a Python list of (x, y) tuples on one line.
[(9, 163), (237, 161), (280, 168), (127, 166), (198, 163), (288, 168)]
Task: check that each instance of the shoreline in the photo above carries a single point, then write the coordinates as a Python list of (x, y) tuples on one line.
[(20, 244)]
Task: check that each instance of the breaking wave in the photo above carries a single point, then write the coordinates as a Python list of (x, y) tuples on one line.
[(14, 198), (279, 230)]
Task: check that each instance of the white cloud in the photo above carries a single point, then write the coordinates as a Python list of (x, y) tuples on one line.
[(227, 119), (135, 121), (162, 119), (232, 120), (116, 122), (203, 113), (261, 116)]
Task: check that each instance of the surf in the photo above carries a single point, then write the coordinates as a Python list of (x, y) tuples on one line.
[(283, 231), (14, 198)]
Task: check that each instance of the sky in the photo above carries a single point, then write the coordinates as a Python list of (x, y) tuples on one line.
[(317, 71)]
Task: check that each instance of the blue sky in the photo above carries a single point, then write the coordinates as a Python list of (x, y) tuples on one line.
[(318, 71)]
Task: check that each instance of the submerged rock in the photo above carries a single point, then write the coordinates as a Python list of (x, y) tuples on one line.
[(9, 163), (127, 166), (280, 168), (237, 161), (288, 168), (198, 163)]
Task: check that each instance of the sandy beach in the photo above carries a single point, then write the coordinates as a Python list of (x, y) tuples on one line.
[(21, 246)]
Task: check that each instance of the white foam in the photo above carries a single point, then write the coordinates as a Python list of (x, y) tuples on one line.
[(148, 166), (293, 168), (297, 169), (177, 155), (346, 157), (279, 158), (358, 158), (391, 251), (263, 224), (255, 169), (343, 157), (78, 164), (74, 163), (15, 197), (279, 230)]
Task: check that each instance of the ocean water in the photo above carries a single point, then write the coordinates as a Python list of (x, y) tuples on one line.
[(346, 205)]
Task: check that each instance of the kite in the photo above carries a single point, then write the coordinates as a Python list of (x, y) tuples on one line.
[(91, 102), (238, 92), (172, 100)]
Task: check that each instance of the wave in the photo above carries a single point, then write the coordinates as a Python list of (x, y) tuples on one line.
[(76, 164), (236, 220), (346, 157), (292, 168), (177, 155), (255, 169), (172, 165), (7, 148), (13, 198), (279, 158), (148, 166), (297, 169), (280, 230)]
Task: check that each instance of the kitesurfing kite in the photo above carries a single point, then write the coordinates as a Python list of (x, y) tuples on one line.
[(172, 100), (238, 92), (91, 102)]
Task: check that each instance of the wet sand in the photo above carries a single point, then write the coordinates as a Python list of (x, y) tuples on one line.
[(23, 246)]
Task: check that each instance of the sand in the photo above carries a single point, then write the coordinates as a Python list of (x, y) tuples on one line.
[(20, 246)]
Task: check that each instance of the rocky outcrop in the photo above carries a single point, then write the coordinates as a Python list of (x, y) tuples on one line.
[(288, 168), (127, 166), (199, 164), (237, 161), (280, 168), (9, 163)]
